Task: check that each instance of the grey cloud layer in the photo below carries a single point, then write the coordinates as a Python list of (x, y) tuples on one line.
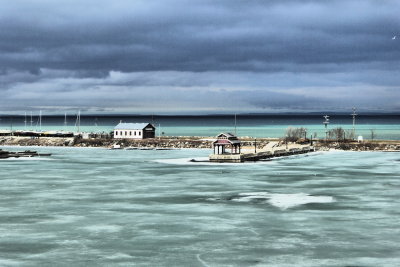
[(259, 48)]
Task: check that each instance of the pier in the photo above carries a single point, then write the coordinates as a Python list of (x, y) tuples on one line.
[(272, 150), (228, 148)]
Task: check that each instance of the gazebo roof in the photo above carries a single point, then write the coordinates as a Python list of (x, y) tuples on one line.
[(226, 139), (227, 135)]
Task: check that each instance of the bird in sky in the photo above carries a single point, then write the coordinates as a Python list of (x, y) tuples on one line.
[(394, 37)]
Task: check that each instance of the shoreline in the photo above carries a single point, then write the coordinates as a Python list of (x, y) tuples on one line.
[(192, 143)]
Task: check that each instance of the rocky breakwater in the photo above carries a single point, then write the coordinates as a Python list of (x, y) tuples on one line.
[(164, 142), (172, 143), (381, 145), (169, 142), (30, 141)]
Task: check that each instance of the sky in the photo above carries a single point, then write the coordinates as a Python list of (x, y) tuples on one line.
[(199, 57)]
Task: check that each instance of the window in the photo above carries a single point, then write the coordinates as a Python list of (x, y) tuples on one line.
[(135, 133), (140, 133), (130, 133), (120, 133), (116, 132)]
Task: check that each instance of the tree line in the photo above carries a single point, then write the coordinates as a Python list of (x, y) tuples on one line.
[(294, 134)]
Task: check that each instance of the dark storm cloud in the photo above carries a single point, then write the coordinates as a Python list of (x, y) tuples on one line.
[(296, 54), (195, 35)]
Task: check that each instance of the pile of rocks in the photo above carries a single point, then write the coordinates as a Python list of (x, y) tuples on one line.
[(42, 141), (365, 146)]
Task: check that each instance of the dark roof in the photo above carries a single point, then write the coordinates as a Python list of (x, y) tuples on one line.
[(228, 135)]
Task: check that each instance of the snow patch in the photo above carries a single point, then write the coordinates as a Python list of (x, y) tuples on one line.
[(283, 201)]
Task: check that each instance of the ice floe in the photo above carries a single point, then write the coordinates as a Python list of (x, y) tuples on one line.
[(282, 201)]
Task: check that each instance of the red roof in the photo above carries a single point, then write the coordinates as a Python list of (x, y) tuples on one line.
[(222, 142), (226, 142)]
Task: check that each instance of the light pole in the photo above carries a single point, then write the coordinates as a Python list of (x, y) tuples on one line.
[(354, 122), (286, 139), (326, 122)]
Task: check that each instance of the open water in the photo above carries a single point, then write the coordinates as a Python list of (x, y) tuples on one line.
[(98, 207)]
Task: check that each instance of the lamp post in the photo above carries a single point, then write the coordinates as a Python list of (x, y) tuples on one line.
[(326, 122), (354, 122), (286, 139), (255, 145)]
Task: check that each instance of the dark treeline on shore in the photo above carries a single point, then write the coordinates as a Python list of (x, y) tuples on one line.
[(194, 120)]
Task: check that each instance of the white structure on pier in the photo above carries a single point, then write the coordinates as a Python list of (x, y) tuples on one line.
[(134, 131), (354, 114), (226, 140)]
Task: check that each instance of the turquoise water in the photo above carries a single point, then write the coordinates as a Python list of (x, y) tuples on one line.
[(385, 126), (98, 207), (383, 132)]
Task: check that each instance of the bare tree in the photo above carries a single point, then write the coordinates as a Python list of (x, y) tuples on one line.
[(349, 134), (373, 134), (336, 133), (293, 134)]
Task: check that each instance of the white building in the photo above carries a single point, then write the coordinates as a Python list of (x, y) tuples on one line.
[(134, 131)]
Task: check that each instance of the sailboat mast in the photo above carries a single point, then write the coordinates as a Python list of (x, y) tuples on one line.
[(31, 120), (40, 120), (235, 125), (25, 121), (78, 121)]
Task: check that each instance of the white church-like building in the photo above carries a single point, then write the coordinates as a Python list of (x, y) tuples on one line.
[(134, 131)]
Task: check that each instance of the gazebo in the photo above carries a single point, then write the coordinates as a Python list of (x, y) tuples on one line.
[(224, 140)]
